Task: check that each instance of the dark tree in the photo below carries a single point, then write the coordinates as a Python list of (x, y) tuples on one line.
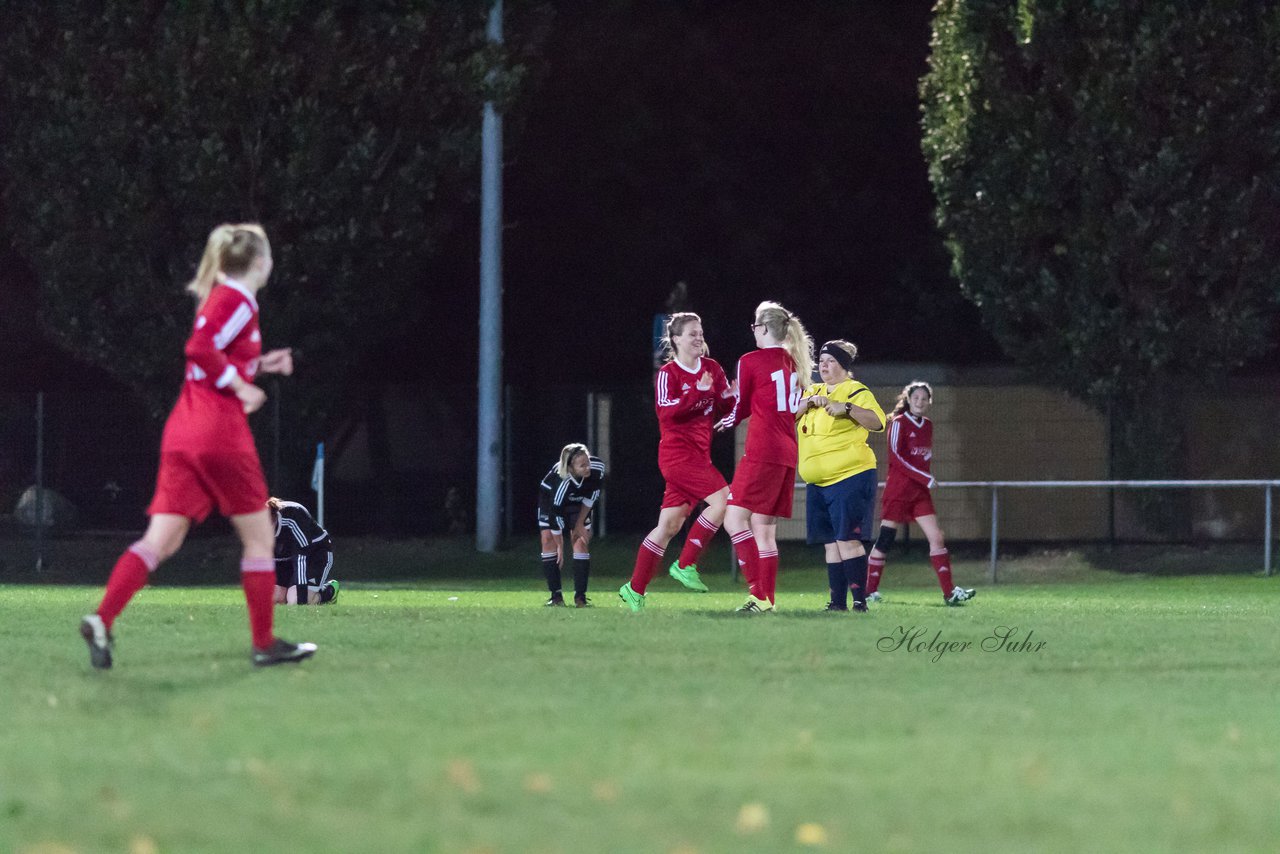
[(1108, 180), (350, 130)]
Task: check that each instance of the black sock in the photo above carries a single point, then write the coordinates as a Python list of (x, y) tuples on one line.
[(551, 570), (581, 571), (835, 579), (855, 573)]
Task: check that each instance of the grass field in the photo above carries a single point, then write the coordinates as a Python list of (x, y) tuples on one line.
[(462, 716)]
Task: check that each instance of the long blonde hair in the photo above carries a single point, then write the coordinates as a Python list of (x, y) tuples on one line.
[(786, 328), (570, 451), (230, 249)]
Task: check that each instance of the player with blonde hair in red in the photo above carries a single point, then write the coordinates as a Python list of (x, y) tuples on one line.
[(208, 458), (691, 392), (769, 381)]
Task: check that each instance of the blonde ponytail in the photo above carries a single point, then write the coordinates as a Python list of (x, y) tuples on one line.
[(567, 456), (229, 249), (787, 329)]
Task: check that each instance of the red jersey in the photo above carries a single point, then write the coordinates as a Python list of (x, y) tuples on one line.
[(768, 394), (225, 342), (910, 442), (685, 412)]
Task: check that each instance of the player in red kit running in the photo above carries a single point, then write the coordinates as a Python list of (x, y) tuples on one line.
[(207, 455), (770, 380), (906, 491), (691, 392)]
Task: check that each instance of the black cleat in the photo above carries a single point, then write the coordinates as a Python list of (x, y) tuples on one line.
[(832, 606), (860, 607), (556, 601), (282, 652), (100, 642), (581, 601)]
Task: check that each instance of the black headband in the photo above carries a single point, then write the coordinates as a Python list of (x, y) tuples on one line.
[(840, 354)]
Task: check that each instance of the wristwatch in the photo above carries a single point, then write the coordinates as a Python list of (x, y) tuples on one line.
[(848, 410)]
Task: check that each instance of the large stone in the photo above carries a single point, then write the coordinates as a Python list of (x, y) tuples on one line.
[(56, 511)]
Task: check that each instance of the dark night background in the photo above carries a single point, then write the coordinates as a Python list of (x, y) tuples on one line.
[(752, 150)]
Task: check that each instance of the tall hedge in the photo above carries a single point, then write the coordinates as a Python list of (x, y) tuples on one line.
[(350, 130), (1107, 177)]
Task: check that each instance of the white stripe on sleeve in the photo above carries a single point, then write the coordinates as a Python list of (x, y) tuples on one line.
[(224, 336)]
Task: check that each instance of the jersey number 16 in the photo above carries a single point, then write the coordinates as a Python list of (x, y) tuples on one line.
[(788, 390)]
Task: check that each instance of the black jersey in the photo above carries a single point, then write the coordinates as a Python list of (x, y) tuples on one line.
[(562, 500), (304, 551)]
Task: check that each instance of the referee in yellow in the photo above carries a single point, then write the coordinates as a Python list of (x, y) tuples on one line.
[(833, 422)]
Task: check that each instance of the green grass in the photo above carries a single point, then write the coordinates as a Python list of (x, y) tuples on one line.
[(463, 716)]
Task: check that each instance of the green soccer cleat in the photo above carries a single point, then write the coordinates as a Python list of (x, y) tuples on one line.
[(329, 593), (634, 600), (688, 576)]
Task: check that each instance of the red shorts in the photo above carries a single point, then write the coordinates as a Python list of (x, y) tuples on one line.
[(690, 482), (191, 483), (903, 508), (765, 488)]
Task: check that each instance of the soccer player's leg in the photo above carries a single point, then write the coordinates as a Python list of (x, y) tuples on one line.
[(940, 558), (819, 531), (552, 542), (177, 501), (707, 484), (852, 508), (670, 518), (581, 561), (880, 551)]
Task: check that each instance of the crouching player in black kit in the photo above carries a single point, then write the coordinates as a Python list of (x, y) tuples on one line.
[(304, 556), (565, 499)]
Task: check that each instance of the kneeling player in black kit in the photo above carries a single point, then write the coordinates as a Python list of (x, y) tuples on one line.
[(304, 556)]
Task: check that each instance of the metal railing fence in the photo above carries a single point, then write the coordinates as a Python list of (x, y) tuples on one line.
[(996, 485)]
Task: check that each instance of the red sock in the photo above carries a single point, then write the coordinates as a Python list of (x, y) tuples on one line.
[(696, 543), (258, 576), (128, 576), (744, 546), (647, 557), (875, 566), (942, 565), (769, 573)]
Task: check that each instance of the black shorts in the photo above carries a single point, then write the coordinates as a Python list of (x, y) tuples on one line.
[(547, 521), (308, 568)]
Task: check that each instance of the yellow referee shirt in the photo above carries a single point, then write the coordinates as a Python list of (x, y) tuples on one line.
[(832, 449)]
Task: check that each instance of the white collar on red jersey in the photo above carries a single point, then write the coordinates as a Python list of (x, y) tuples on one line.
[(913, 420), (224, 279), (695, 369)]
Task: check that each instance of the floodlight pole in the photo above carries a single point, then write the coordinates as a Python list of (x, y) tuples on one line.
[(489, 414)]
